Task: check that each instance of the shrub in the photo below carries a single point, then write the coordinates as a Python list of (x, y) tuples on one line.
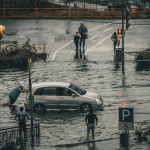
[(19, 58), (143, 56)]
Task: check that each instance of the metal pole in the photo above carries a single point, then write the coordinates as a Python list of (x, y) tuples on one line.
[(2, 3), (126, 140), (31, 100), (38, 129), (0, 46), (123, 36), (27, 3)]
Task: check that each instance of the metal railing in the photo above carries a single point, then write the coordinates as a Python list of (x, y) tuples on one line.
[(71, 13), (7, 134)]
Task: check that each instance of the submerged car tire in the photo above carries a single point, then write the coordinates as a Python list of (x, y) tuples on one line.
[(85, 106), (39, 108)]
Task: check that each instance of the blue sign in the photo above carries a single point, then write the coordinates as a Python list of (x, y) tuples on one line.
[(126, 115)]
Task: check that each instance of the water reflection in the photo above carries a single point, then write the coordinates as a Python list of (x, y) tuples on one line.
[(91, 145)]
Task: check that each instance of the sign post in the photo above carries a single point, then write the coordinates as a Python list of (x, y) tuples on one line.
[(123, 36), (126, 121), (31, 98)]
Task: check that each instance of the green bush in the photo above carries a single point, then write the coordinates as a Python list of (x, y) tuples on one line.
[(19, 58), (143, 56)]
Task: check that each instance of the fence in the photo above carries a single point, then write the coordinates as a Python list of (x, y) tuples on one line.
[(71, 13), (7, 134), (41, 48)]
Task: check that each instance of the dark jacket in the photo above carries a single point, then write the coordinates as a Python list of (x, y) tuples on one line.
[(76, 38), (12, 147), (84, 30)]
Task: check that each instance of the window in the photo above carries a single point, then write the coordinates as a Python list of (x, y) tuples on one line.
[(49, 91), (64, 92), (38, 91), (77, 89)]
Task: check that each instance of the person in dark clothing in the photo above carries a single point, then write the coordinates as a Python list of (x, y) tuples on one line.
[(13, 145), (115, 40), (76, 41), (22, 120), (82, 34), (91, 123), (14, 94)]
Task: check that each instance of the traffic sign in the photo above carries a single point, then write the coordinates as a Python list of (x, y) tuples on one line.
[(126, 125), (126, 115), (126, 119), (119, 33), (2, 30)]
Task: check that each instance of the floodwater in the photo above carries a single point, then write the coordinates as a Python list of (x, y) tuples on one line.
[(66, 129)]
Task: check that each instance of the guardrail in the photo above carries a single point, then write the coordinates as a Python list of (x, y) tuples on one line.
[(41, 48), (7, 134), (70, 13)]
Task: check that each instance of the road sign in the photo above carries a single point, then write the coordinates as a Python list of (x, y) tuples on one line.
[(119, 33), (125, 114), (126, 125), (2, 30), (126, 119)]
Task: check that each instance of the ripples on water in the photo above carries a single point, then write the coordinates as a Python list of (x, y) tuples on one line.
[(62, 127)]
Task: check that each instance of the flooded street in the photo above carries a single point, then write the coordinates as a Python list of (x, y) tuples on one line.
[(66, 129)]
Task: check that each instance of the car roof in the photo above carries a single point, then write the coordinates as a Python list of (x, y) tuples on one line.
[(52, 84)]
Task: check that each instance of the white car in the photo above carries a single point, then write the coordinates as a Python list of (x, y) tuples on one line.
[(62, 95)]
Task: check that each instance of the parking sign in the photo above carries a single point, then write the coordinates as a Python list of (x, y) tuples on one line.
[(126, 115), (126, 119)]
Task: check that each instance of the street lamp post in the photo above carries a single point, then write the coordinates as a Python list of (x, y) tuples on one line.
[(123, 36), (31, 98), (2, 3)]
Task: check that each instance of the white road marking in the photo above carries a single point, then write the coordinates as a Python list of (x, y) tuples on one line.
[(97, 44), (100, 26), (71, 52), (108, 29), (117, 21), (93, 37), (54, 55)]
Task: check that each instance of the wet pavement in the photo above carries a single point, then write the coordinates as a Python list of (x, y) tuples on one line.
[(65, 129)]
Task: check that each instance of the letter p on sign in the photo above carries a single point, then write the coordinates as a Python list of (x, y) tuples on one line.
[(125, 114)]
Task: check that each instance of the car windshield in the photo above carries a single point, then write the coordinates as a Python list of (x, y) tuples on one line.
[(77, 89)]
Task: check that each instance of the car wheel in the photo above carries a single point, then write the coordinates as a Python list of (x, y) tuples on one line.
[(39, 108), (86, 107)]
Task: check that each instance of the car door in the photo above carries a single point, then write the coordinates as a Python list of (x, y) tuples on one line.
[(67, 101), (37, 96), (49, 97)]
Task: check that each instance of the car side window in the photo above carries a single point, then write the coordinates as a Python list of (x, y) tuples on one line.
[(49, 91), (64, 92), (38, 92)]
